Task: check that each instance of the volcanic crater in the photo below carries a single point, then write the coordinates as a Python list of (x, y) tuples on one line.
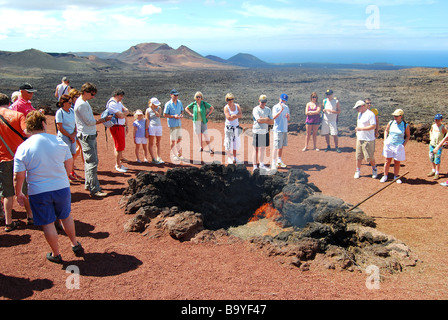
[(281, 214)]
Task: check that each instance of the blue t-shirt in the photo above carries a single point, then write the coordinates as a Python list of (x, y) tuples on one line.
[(42, 156), (67, 119), (141, 127), (281, 122), (172, 109), (396, 133)]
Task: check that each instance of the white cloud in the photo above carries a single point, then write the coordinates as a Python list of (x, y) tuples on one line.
[(150, 10)]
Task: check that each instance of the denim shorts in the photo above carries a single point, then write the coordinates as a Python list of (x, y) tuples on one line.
[(51, 205)]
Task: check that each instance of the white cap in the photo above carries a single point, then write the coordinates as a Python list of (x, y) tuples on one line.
[(138, 112), (359, 103), (155, 101)]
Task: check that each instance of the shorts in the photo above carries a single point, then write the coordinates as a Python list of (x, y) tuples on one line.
[(155, 131), (365, 150), (280, 140), (329, 127), (49, 206), (260, 140), (7, 180), (175, 133), (71, 145), (394, 151), (435, 158), (199, 127), (141, 140), (118, 134)]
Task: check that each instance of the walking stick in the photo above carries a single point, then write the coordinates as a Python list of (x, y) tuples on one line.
[(375, 193)]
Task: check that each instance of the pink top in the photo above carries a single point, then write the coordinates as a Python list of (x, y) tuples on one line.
[(23, 106)]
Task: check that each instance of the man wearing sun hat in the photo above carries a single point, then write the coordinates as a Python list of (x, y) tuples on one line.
[(365, 138)]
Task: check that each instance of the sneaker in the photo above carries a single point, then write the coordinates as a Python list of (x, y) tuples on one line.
[(139, 161), (432, 173), (398, 180), (338, 150), (160, 160), (99, 194), (327, 149), (357, 175), (181, 158), (281, 164), (383, 179), (176, 158), (255, 167), (238, 161), (262, 166), (444, 184), (78, 250), (229, 160), (211, 151), (145, 160), (121, 169), (436, 177), (374, 173), (54, 259), (155, 161)]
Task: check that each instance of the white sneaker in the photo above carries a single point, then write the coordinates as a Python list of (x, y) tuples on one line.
[(238, 161), (160, 161), (281, 164), (383, 179), (398, 180), (176, 158), (255, 167), (229, 160), (357, 175), (121, 169), (374, 173), (262, 166)]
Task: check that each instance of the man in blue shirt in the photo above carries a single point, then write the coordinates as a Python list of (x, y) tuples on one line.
[(281, 117), (174, 112)]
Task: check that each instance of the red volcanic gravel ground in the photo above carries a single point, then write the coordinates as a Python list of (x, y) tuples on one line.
[(128, 266)]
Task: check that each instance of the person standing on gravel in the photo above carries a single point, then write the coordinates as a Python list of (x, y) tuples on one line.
[(86, 126), (9, 142), (62, 88), (120, 129), (45, 161), (262, 117), (365, 138), (174, 112), (281, 117), (331, 110)]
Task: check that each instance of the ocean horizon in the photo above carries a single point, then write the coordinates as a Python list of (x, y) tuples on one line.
[(437, 59)]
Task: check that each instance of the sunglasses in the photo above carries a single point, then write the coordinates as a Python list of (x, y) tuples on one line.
[(198, 97)]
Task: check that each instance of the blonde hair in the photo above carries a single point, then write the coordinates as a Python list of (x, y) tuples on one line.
[(199, 93), (229, 96)]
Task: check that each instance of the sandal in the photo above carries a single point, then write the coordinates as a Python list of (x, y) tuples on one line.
[(30, 221), (78, 250), (55, 259), (12, 226)]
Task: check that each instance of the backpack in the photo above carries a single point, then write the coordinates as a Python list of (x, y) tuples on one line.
[(405, 125), (111, 122)]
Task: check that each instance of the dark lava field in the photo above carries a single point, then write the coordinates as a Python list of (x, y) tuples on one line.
[(420, 92)]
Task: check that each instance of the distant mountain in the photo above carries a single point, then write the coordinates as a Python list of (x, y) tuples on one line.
[(161, 55), (248, 61)]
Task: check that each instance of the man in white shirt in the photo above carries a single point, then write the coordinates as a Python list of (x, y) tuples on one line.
[(365, 138), (281, 116), (262, 117), (119, 130), (62, 88), (331, 110)]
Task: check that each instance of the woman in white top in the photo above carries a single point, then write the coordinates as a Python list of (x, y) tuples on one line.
[(232, 111), (154, 129)]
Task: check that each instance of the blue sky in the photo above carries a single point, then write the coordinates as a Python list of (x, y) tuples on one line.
[(278, 28)]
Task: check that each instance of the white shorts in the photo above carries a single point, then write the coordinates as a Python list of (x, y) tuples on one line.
[(155, 131), (141, 140), (394, 151), (329, 127)]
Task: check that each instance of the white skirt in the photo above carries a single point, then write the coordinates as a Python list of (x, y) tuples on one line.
[(394, 151)]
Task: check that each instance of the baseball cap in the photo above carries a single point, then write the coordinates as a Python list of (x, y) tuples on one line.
[(438, 116), (175, 92), (138, 112), (27, 87), (329, 92), (398, 112), (284, 97), (155, 101), (358, 104), (263, 98)]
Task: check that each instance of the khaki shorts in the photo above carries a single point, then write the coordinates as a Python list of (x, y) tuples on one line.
[(365, 150), (175, 133)]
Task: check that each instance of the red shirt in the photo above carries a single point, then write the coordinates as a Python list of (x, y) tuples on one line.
[(17, 121), (23, 106)]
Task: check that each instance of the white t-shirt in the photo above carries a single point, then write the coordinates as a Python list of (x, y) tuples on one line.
[(257, 113), (42, 156), (365, 119), (114, 107), (330, 105)]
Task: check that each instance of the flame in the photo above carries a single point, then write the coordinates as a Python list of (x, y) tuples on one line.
[(265, 211)]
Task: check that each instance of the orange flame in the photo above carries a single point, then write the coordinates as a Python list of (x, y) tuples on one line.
[(265, 211)]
